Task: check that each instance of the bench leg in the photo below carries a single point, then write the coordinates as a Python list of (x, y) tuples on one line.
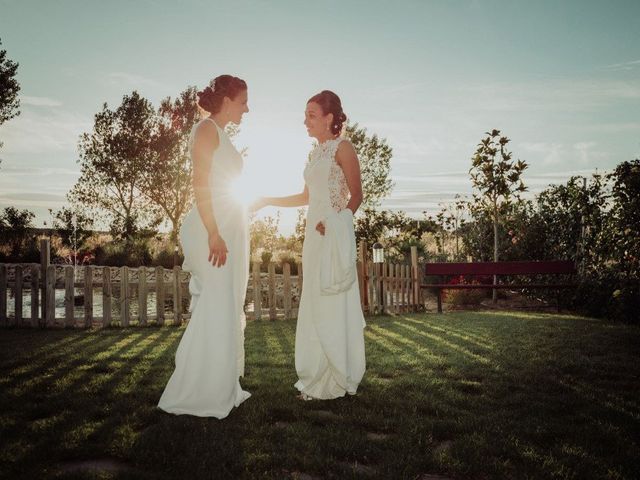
[(439, 300)]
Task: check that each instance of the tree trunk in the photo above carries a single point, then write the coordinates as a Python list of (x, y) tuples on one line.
[(495, 255)]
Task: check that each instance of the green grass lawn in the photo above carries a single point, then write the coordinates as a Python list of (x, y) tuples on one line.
[(462, 395)]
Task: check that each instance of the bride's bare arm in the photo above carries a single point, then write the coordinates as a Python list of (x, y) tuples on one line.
[(205, 143), (347, 158), (297, 200)]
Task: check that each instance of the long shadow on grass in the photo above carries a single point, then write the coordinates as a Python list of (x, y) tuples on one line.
[(75, 436)]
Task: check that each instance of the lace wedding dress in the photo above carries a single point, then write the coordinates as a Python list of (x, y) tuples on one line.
[(330, 357)]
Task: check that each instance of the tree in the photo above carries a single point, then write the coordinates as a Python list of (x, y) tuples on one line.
[(14, 229), (624, 219), (166, 180), (74, 228), (496, 181), (113, 160), (264, 233), (9, 88), (375, 164)]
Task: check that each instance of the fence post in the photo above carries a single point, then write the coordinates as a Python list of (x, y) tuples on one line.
[(88, 296), (362, 273), (69, 296), (3, 294), (286, 273), (125, 314), (177, 297), (50, 296), (106, 296), (257, 292), (160, 295), (272, 291), (18, 295), (35, 286), (142, 296), (415, 278), (45, 260)]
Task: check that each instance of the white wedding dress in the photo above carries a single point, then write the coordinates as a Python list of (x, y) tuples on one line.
[(330, 357), (210, 356)]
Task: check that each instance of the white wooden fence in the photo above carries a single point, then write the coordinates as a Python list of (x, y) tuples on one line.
[(48, 295)]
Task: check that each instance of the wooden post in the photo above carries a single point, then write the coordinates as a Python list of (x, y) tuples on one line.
[(371, 288), (397, 289), (439, 300), (88, 296), (362, 273), (35, 296), (125, 314), (142, 296), (177, 297), (407, 287), (415, 278), (381, 295), (286, 273), (106, 296), (3, 294), (69, 296), (50, 296), (272, 291), (300, 282), (45, 260), (257, 292), (17, 289), (160, 295)]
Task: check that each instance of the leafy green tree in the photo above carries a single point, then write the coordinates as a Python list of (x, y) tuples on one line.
[(166, 180), (74, 228), (14, 229), (623, 222), (263, 233), (9, 88), (497, 182), (113, 162)]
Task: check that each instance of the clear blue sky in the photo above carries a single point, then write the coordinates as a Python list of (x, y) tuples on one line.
[(561, 79)]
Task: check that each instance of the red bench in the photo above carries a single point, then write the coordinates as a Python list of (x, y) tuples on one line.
[(555, 267)]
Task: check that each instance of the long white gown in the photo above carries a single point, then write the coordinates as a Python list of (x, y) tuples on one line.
[(330, 357), (210, 356)]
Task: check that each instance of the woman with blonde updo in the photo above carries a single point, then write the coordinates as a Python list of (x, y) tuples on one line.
[(210, 356)]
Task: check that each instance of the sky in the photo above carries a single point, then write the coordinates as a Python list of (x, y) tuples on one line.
[(560, 78)]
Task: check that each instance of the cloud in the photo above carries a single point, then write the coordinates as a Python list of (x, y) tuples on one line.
[(624, 66), (34, 197), (39, 101), (43, 131), (133, 80)]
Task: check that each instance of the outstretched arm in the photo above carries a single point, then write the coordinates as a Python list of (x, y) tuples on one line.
[(297, 200)]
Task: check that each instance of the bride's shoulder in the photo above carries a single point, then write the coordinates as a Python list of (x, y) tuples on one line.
[(344, 145)]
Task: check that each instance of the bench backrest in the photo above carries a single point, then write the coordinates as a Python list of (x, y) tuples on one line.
[(501, 268)]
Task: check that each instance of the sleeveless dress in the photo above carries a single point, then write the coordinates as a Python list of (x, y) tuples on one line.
[(210, 357), (330, 357)]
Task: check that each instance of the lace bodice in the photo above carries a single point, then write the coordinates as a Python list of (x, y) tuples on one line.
[(325, 178)]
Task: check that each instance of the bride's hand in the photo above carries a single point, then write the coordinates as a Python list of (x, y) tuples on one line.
[(217, 250), (320, 228), (258, 204)]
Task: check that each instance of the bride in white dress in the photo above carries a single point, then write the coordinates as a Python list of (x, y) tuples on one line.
[(210, 356), (330, 357)]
